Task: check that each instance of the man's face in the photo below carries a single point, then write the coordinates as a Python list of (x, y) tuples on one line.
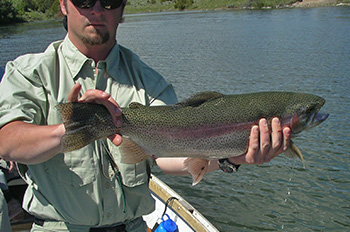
[(93, 26)]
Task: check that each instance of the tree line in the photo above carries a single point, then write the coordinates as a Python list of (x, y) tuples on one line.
[(12, 11)]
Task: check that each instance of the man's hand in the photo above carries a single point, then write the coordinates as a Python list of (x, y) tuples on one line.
[(263, 144), (103, 98)]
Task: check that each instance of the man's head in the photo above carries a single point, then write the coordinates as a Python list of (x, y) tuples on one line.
[(92, 22)]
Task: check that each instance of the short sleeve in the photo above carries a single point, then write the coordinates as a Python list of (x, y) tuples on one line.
[(22, 95)]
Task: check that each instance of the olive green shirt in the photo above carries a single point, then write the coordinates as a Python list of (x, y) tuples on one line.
[(80, 187)]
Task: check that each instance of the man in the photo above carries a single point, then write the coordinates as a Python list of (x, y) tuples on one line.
[(4, 215), (80, 190)]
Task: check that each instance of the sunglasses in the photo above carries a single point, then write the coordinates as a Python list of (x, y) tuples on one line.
[(107, 4)]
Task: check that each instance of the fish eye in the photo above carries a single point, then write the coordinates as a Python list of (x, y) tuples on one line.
[(311, 108)]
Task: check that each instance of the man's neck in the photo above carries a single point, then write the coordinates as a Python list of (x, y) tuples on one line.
[(98, 52), (95, 52)]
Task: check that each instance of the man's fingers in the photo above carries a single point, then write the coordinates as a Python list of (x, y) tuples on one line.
[(74, 93), (103, 98), (286, 138), (276, 136), (13, 166), (95, 95), (116, 139), (253, 150), (265, 145), (115, 111), (265, 140), (280, 137)]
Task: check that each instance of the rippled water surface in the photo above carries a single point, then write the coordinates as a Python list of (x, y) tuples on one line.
[(305, 50)]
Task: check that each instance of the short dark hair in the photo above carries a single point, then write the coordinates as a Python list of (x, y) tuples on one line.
[(65, 22)]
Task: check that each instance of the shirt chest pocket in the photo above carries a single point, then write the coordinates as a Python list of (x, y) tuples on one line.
[(77, 168), (134, 174)]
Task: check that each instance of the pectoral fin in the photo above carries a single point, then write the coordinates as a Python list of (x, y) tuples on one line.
[(197, 168), (294, 152), (132, 153)]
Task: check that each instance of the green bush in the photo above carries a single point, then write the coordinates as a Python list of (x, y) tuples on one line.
[(183, 4), (8, 13), (54, 9), (42, 6)]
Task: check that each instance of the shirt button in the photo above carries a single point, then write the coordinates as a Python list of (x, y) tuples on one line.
[(108, 185), (108, 215)]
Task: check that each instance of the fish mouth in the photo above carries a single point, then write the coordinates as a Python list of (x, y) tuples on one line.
[(315, 117), (306, 119), (318, 118)]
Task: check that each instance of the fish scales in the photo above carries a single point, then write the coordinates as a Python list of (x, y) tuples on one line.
[(227, 108), (217, 141), (209, 125)]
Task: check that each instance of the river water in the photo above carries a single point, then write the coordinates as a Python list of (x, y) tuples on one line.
[(305, 50)]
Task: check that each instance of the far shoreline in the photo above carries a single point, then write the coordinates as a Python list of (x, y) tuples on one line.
[(135, 11), (130, 10)]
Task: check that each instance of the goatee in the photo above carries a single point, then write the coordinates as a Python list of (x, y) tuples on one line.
[(97, 39)]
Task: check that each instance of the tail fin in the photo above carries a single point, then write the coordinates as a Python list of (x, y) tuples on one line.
[(84, 123)]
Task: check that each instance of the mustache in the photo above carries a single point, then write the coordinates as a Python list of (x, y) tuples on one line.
[(100, 20)]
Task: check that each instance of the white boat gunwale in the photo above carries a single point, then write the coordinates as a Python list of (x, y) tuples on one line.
[(181, 208)]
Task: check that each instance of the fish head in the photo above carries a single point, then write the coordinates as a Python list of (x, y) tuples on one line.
[(306, 112)]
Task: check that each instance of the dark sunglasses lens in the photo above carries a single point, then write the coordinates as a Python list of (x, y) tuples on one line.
[(84, 3), (107, 4), (111, 4)]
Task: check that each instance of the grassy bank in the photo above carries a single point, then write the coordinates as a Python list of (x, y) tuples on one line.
[(12, 11), (144, 6)]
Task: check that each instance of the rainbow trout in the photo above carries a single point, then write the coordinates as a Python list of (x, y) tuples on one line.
[(207, 126)]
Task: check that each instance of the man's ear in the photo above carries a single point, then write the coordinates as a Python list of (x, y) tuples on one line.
[(63, 6)]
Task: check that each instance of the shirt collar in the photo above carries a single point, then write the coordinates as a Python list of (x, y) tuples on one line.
[(76, 60), (112, 62)]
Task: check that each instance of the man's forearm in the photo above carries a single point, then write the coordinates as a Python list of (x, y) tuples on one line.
[(29, 144)]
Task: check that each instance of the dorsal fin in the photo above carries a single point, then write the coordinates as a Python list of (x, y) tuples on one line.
[(199, 98)]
